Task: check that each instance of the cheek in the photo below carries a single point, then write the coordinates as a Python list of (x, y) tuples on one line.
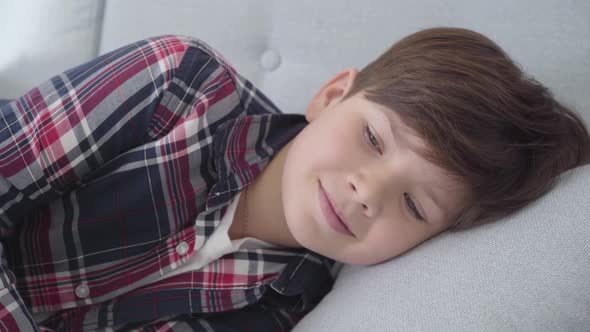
[(338, 146), (321, 148), (296, 182), (393, 239)]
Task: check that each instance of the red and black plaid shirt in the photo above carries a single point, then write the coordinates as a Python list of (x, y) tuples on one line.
[(114, 173)]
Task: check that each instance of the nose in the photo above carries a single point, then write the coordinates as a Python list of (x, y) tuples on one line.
[(367, 192)]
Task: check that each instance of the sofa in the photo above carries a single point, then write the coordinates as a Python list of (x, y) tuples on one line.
[(529, 271)]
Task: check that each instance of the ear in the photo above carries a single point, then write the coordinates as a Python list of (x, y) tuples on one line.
[(331, 93)]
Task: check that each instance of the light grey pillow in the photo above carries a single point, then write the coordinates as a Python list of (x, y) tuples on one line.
[(527, 272)]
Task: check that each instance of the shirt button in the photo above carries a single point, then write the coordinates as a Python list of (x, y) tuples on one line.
[(182, 248), (82, 291)]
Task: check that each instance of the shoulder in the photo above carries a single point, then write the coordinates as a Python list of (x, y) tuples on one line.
[(182, 45)]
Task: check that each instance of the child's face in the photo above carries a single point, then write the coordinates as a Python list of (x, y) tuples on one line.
[(370, 186)]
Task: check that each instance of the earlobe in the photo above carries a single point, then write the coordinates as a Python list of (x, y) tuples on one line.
[(331, 93)]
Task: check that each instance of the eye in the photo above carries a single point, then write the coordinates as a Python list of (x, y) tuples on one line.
[(372, 139), (413, 208)]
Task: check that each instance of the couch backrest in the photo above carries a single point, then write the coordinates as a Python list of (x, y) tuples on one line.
[(290, 48)]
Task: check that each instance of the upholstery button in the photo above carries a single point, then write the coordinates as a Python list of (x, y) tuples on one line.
[(270, 60), (182, 248), (82, 291)]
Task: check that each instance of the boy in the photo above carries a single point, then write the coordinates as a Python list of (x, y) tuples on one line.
[(154, 188)]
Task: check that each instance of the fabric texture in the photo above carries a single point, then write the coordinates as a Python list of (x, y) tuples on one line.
[(217, 245), (308, 41), (116, 172), (528, 272)]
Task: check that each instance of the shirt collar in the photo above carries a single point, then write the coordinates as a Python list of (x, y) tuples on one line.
[(243, 146), (309, 275)]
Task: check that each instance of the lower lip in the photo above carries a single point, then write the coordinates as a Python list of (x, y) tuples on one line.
[(329, 213)]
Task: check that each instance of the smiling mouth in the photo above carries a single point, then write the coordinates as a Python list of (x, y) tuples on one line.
[(332, 218)]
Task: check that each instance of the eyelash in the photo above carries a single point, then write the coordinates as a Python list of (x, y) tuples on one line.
[(372, 140), (413, 208)]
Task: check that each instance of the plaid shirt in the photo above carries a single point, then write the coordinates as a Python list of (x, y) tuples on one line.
[(114, 173)]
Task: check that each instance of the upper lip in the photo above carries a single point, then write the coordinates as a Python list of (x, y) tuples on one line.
[(337, 210)]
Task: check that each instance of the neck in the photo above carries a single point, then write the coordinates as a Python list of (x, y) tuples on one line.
[(264, 207)]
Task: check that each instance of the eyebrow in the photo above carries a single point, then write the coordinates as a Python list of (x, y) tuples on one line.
[(435, 199), (398, 138), (394, 132)]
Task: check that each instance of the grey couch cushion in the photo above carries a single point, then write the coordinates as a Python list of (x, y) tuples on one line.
[(43, 38), (289, 49), (527, 272)]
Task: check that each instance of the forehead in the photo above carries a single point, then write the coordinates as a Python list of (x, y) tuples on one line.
[(401, 132)]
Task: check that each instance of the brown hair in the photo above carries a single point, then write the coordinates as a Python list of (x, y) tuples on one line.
[(486, 122)]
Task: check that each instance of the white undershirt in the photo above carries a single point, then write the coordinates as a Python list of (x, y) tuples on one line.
[(217, 245)]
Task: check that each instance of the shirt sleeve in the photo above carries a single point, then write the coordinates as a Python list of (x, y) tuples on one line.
[(58, 133)]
